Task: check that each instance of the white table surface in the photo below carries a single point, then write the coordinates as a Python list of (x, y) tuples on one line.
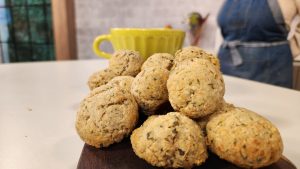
[(38, 104)]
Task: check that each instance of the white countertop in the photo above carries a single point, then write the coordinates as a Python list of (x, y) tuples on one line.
[(38, 104)]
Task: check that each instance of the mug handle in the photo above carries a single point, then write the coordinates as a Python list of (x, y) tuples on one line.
[(96, 46)]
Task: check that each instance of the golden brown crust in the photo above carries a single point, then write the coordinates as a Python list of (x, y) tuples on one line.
[(100, 78), (123, 82), (193, 52), (170, 141), (223, 108), (106, 116), (244, 138), (162, 60), (196, 89), (149, 88), (126, 63)]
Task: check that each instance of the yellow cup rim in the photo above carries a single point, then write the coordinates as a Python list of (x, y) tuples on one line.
[(148, 30)]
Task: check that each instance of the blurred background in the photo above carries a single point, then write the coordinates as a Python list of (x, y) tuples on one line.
[(141, 13), (27, 32), (48, 30)]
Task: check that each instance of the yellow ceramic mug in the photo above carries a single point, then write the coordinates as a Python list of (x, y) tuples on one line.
[(146, 41)]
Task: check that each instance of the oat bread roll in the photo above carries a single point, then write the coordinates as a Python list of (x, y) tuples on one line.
[(244, 138), (149, 88), (106, 116), (126, 62), (100, 78), (196, 89), (162, 60), (170, 141)]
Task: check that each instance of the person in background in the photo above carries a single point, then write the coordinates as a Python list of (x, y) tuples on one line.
[(255, 40)]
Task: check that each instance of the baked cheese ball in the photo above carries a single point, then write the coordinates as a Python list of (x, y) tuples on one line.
[(170, 141), (224, 108), (123, 82), (106, 116), (196, 89), (244, 138), (126, 62), (149, 88), (100, 78), (163, 60), (195, 52)]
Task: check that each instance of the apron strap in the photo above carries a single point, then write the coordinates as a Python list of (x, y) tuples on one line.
[(277, 14), (235, 54)]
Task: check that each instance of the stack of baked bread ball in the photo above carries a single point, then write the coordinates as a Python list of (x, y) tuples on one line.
[(191, 81)]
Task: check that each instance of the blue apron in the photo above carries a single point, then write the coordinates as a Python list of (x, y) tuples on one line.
[(255, 42)]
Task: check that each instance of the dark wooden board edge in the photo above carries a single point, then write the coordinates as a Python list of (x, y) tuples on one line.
[(121, 156)]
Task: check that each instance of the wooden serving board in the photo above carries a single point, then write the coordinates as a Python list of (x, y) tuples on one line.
[(121, 156)]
